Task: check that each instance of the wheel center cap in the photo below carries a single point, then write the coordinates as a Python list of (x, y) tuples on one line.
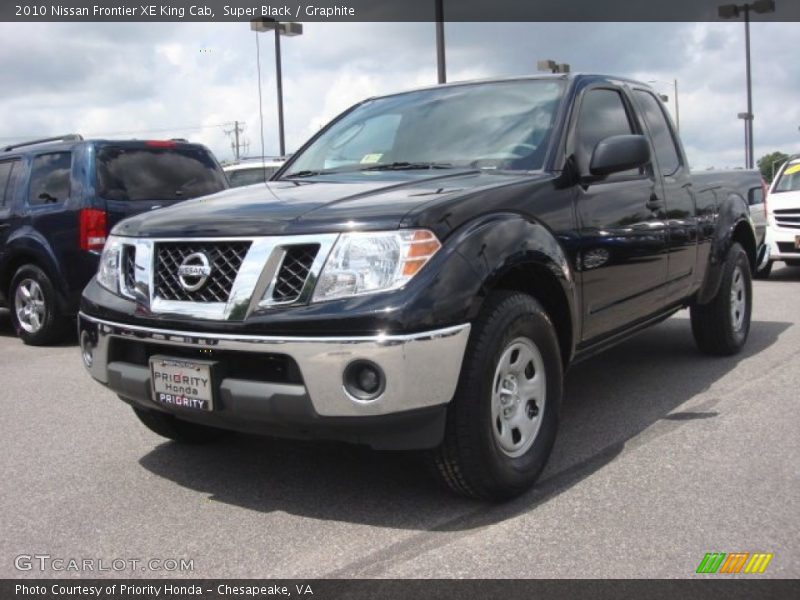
[(510, 396)]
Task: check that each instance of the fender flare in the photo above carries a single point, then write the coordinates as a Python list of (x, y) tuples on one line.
[(732, 215), (497, 244)]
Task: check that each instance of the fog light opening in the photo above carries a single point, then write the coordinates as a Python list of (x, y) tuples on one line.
[(364, 380), (87, 349)]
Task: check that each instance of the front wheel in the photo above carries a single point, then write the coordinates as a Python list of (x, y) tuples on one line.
[(721, 327), (502, 421)]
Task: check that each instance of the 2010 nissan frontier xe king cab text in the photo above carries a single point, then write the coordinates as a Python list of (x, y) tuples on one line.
[(420, 274)]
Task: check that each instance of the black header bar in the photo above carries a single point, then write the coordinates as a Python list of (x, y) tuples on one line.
[(382, 10)]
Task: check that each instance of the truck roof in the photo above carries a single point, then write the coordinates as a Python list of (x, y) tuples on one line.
[(542, 76)]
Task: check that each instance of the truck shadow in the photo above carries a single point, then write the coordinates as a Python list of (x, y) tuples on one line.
[(785, 273), (623, 398), (6, 329)]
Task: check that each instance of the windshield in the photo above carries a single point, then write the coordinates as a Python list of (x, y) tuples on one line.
[(789, 180), (142, 173), (241, 177), (504, 125)]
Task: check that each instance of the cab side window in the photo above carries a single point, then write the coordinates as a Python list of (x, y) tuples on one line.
[(669, 160), (602, 114), (50, 178), (7, 181)]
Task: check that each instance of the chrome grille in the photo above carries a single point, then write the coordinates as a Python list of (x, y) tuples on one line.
[(128, 268), (294, 271), (789, 218), (225, 259)]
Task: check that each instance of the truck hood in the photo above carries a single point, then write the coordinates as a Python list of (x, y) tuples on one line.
[(330, 203)]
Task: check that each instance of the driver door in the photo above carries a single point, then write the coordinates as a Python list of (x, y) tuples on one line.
[(621, 221)]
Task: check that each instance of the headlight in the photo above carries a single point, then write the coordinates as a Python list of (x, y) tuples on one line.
[(362, 263), (108, 271)]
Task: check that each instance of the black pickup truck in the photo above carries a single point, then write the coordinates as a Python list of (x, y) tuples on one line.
[(421, 273)]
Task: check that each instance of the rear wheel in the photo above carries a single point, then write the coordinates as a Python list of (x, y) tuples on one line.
[(721, 327), (171, 427), (502, 422), (34, 307)]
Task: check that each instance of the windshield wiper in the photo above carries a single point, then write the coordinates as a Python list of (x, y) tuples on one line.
[(306, 173), (395, 166), (407, 166)]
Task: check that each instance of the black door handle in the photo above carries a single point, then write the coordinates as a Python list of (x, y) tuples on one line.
[(654, 203)]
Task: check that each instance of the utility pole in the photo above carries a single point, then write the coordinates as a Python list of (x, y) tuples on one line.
[(237, 142)]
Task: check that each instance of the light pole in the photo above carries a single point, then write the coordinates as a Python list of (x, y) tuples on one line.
[(261, 25), (733, 11), (674, 84), (552, 66), (441, 70)]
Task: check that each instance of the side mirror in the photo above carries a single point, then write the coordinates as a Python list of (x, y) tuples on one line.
[(619, 153)]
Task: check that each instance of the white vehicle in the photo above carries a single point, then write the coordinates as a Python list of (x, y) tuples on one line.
[(783, 217), (252, 171)]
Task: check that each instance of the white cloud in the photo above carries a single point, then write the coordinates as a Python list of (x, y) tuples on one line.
[(189, 80)]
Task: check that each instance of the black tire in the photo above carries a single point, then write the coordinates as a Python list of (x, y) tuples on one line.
[(173, 428), (52, 324), (470, 459), (764, 272), (713, 325)]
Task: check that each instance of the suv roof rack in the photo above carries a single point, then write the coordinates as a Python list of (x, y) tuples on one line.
[(70, 137)]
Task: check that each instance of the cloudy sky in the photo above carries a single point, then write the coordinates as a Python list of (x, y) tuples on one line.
[(193, 79)]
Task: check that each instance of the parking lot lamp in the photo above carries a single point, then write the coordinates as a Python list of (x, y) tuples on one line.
[(261, 25), (734, 11), (552, 66)]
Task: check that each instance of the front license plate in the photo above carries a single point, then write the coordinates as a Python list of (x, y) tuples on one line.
[(182, 383)]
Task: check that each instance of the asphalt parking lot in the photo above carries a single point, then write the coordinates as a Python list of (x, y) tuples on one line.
[(664, 454)]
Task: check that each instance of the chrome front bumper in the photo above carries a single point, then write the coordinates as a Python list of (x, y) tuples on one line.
[(421, 369)]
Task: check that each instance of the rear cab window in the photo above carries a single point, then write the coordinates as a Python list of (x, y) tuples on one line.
[(50, 178), (666, 150), (755, 196), (156, 172)]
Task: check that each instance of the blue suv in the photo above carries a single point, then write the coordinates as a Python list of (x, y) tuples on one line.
[(59, 198)]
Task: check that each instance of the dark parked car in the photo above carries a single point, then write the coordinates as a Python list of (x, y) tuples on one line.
[(59, 197), (421, 274)]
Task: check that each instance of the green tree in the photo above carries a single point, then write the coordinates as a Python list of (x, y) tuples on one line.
[(769, 163)]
